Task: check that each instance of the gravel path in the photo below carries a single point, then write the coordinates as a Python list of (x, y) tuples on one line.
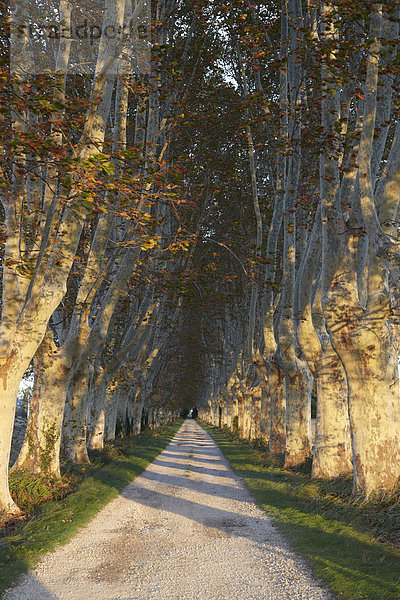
[(186, 529)]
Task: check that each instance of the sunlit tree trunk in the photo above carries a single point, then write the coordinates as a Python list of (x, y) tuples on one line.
[(241, 409), (277, 392), (332, 447), (356, 300), (247, 411), (255, 429), (298, 380), (265, 401), (41, 448), (39, 296)]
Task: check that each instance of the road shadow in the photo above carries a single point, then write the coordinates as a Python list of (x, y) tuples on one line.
[(37, 591)]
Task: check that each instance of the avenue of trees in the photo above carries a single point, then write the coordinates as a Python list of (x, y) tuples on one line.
[(217, 228), (319, 89)]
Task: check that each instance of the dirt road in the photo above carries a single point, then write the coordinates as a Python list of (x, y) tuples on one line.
[(186, 529)]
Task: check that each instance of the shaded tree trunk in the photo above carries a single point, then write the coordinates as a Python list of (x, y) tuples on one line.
[(276, 380)]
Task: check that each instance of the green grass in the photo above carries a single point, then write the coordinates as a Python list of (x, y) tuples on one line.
[(338, 535), (54, 522), (29, 491)]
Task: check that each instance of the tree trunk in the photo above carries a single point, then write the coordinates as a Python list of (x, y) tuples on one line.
[(235, 412), (124, 415), (332, 450), (111, 409), (247, 412), (10, 380), (265, 413), (137, 418), (298, 383), (332, 447), (265, 401), (75, 448), (256, 413), (240, 415), (40, 453), (225, 409), (276, 379), (362, 339), (96, 425)]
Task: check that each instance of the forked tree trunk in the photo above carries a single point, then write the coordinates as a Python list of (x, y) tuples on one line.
[(332, 448), (31, 310), (11, 373)]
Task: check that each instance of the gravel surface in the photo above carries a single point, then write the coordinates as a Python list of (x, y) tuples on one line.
[(186, 529)]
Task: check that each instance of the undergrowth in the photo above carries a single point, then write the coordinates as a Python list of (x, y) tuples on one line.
[(56, 509), (30, 491), (352, 545)]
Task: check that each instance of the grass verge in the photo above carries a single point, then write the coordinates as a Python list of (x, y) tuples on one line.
[(338, 535), (54, 522)]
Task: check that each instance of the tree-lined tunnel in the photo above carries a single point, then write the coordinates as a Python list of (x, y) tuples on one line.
[(210, 222)]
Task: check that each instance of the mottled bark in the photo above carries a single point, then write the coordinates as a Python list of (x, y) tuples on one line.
[(247, 414), (332, 447), (137, 414), (265, 413), (240, 413), (41, 448), (96, 417), (298, 414), (276, 379), (255, 428), (355, 296), (75, 448), (111, 409), (362, 339), (35, 299)]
